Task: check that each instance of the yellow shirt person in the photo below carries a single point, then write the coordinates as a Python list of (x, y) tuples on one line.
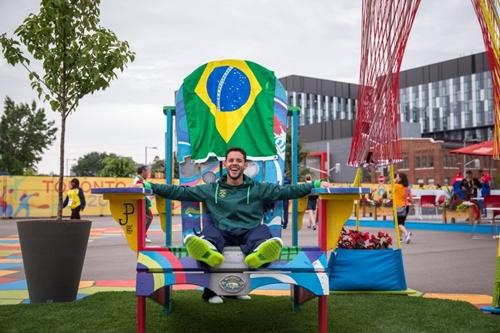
[(75, 199)]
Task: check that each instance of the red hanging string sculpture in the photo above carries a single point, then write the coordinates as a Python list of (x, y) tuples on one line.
[(386, 26), (487, 12)]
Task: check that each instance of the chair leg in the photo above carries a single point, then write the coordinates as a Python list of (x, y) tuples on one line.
[(322, 314), (473, 229), (141, 314), (295, 298), (167, 308)]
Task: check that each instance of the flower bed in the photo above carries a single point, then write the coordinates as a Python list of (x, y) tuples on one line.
[(376, 207), (365, 262), (456, 209), (354, 239)]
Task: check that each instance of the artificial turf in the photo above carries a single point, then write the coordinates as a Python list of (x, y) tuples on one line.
[(115, 312)]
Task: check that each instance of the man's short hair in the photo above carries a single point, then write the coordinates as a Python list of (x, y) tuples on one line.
[(141, 168), (238, 149)]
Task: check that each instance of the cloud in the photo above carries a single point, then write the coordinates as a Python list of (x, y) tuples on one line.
[(172, 38)]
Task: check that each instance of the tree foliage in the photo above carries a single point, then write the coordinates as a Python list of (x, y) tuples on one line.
[(157, 167), (91, 164), (77, 55), (118, 166), (25, 133)]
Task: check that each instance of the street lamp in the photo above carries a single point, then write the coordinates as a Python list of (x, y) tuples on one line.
[(68, 173), (146, 153), (476, 162)]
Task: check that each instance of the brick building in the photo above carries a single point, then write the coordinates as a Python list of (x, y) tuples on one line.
[(428, 161)]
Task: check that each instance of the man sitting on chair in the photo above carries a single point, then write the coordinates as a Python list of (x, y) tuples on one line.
[(235, 203)]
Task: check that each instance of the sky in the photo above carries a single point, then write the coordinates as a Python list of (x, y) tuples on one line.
[(318, 38)]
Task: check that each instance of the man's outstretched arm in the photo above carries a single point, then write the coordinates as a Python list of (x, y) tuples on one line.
[(274, 192), (181, 193)]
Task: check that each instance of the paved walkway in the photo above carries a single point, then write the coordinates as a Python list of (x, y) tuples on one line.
[(439, 264)]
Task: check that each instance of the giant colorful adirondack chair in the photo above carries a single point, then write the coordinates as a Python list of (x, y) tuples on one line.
[(220, 105)]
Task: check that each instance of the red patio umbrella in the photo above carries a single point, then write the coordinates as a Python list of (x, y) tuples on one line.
[(484, 148)]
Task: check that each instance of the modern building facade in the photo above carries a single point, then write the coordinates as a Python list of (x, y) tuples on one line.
[(450, 102), (321, 100)]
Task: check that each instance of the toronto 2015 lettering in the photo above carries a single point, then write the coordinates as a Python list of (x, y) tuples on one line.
[(85, 185)]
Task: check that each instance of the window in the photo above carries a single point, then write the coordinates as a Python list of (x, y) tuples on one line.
[(404, 164), (290, 99)]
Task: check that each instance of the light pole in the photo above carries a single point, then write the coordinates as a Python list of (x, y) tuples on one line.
[(471, 140), (146, 153), (68, 173), (476, 162)]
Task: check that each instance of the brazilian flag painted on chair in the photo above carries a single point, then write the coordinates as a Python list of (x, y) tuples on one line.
[(230, 103)]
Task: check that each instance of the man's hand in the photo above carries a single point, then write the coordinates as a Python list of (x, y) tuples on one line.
[(325, 184)]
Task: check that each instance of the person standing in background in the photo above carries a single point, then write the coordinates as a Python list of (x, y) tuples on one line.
[(284, 224), (457, 186), (485, 180), (402, 199), (470, 185), (143, 173), (75, 199), (311, 207)]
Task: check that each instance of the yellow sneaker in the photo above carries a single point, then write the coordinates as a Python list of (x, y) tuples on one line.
[(265, 253), (202, 250)]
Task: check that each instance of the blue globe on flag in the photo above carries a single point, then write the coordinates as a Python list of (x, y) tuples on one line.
[(228, 88)]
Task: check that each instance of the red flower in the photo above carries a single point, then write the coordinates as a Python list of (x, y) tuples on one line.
[(353, 239)]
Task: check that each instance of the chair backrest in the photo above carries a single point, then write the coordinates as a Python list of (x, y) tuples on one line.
[(441, 199), (492, 200), (428, 200), (225, 104)]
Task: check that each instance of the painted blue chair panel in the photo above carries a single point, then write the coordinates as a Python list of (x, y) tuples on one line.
[(147, 283), (176, 259), (315, 283)]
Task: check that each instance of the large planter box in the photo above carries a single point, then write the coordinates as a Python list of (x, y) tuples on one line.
[(376, 212), (470, 214), (366, 270), (53, 255)]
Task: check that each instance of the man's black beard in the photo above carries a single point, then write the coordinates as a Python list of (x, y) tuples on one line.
[(234, 178)]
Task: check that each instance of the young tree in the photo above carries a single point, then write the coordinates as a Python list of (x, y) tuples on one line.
[(78, 57), (157, 167), (24, 134), (118, 166), (90, 164)]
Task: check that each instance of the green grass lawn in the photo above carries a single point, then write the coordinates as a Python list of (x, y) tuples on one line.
[(115, 312)]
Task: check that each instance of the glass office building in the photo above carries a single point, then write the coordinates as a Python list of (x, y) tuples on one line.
[(321, 100), (450, 100)]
